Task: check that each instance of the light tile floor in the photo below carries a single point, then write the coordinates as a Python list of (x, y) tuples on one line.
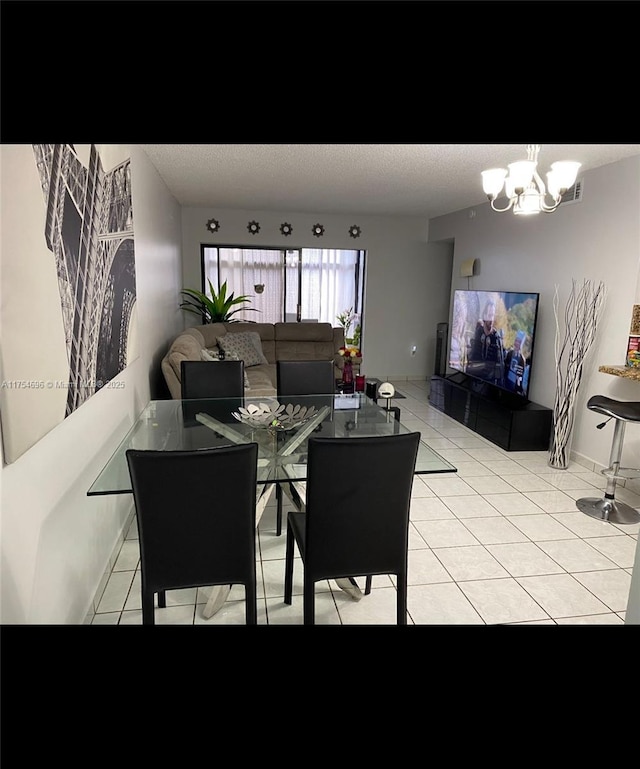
[(499, 542)]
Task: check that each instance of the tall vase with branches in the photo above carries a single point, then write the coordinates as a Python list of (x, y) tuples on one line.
[(572, 345)]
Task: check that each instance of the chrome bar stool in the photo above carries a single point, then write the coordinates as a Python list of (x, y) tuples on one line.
[(608, 508)]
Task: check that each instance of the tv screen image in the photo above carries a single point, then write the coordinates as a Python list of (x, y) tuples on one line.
[(492, 337)]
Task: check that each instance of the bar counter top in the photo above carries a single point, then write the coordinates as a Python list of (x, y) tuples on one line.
[(624, 371)]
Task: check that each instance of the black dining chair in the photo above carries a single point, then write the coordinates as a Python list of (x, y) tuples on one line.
[(203, 379), (206, 379), (192, 534), (356, 523), (307, 378)]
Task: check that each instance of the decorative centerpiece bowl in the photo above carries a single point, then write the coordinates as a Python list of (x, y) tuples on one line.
[(274, 417)]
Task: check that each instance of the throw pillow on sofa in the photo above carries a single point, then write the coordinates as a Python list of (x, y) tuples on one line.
[(246, 345), (208, 355)]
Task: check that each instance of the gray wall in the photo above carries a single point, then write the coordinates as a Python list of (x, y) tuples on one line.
[(407, 279), (56, 541)]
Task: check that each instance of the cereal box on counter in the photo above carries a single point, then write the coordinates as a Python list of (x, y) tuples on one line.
[(633, 352)]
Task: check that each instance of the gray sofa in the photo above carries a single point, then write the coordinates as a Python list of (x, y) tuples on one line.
[(280, 341)]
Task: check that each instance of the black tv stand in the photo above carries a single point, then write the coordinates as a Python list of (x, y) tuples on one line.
[(457, 378), (502, 417)]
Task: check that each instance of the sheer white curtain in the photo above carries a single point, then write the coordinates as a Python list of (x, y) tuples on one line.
[(246, 270), (328, 283)]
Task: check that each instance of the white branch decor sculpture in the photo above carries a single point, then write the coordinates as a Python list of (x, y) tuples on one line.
[(581, 317)]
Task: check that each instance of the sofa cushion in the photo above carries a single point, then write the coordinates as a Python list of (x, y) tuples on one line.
[(305, 351), (196, 333), (304, 341), (246, 345), (185, 347), (262, 379), (264, 330), (303, 332), (211, 332), (212, 356), (208, 355)]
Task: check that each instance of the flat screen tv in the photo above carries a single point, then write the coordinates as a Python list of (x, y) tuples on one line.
[(492, 337)]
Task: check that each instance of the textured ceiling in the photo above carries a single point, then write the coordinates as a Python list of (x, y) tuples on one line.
[(396, 179)]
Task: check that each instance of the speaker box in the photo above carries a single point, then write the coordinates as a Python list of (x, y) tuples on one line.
[(371, 388), (442, 333)]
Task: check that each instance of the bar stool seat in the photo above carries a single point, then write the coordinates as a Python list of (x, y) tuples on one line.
[(608, 508)]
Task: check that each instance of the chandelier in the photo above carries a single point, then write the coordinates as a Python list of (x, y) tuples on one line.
[(524, 187)]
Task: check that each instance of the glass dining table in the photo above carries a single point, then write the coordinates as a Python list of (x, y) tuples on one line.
[(281, 428)]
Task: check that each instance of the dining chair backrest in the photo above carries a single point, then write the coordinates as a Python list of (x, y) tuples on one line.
[(356, 523), (196, 515), (207, 379), (306, 377)]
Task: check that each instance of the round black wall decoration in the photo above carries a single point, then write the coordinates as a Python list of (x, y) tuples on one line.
[(354, 231), (286, 228), (213, 225), (318, 230), (253, 227)]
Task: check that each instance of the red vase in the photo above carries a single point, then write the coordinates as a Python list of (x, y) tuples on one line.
[(347, 375)]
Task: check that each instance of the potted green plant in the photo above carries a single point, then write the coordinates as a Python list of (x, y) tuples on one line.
[(345, 319), (216, 308)]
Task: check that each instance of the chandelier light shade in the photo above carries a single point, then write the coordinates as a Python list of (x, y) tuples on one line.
[(523, 186)]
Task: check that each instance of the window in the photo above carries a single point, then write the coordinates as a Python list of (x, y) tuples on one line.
[(246, 270), (294, 285)]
